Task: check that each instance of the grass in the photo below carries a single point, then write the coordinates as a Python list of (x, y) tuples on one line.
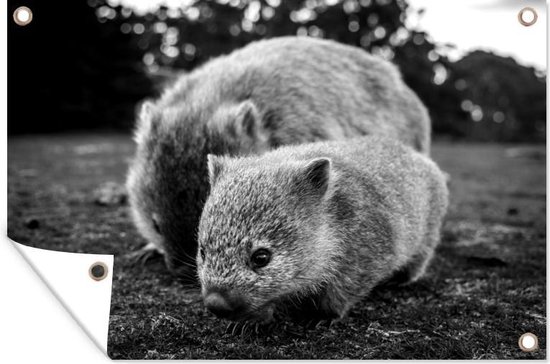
[(485, 287)]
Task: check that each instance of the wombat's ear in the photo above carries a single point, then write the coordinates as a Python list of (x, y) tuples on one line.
[(317, 174), (215, 167), (247, 120), (144, 121)]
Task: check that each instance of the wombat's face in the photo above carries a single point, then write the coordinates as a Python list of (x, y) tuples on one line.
[(169, 221), (260, 242), (246, 279), (167, 215), (167, 186)]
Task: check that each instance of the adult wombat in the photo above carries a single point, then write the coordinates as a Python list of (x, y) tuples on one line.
[(270, 93), (317, 225)]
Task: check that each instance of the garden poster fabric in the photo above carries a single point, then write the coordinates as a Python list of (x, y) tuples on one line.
[(118, 131)]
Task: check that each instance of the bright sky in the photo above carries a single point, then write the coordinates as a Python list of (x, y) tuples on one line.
[(468, 24), (486, 24)]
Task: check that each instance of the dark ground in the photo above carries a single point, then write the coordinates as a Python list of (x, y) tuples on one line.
[(485, 287)]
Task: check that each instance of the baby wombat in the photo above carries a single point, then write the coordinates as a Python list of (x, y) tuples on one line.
[(271, 93), (317, 225)]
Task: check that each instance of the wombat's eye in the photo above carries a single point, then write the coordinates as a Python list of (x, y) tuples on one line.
[(260, 258), (202, 254)]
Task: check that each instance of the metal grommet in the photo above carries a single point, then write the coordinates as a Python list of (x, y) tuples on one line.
[(22, 16), (528, 342), (526, 11), (98, 271)]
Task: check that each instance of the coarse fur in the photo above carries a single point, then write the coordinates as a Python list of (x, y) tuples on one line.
[(288, 90), (338, 218)]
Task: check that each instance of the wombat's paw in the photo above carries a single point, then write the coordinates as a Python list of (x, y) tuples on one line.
[(410, 273), (251, 328), (280, 327), (143, 255), (306, 310), (319, 324), (398, 279), (314, 318), (237, 328)]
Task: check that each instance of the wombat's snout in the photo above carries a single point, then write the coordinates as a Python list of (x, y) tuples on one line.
[(224, 303)]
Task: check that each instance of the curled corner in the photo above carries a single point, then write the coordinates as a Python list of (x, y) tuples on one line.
[(68, 277)]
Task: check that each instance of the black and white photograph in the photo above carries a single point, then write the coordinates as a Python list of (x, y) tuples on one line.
[(305, 179)]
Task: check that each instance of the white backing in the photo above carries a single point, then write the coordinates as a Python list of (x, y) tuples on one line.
[(66, 274)]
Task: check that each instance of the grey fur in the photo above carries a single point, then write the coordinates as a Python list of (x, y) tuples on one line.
[(338, 217), (270, 93)]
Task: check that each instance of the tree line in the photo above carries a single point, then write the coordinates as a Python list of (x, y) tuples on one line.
[(84, 65)]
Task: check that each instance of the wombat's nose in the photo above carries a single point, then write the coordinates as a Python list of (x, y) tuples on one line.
[(223, 304)]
